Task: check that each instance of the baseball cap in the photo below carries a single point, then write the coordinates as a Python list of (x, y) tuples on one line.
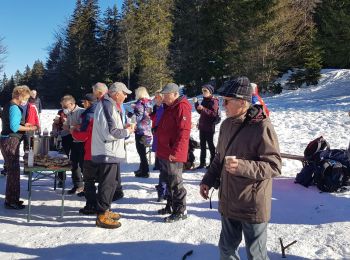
[(119, 86)]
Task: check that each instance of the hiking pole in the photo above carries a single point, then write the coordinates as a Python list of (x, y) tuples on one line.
[(283, 248)]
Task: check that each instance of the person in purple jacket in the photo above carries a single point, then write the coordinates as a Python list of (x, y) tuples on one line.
[(143, 134), (208, 110)]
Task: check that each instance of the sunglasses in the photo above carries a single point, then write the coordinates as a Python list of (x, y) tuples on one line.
[(227, 100)]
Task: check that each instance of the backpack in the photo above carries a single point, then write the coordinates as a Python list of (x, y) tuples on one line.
[(306, 176), (314, 147), (331, 176), (339, 155), (217, 118), (218, 115)]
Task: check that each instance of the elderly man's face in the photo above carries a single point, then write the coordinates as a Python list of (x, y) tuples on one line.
[(119, 97), (233, 106), (170, 98)]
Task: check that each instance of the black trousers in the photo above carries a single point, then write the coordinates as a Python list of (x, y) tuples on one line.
[(141, 150), (90, 177), (176, 193), (204, 138), (77, 159), (106, 185), (67, 144), (118, 178)]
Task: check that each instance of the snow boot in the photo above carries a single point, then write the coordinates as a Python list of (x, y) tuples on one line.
[(175, 217), (103, 220), (166, 210)]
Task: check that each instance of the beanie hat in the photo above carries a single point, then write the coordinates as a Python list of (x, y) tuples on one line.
[(237, 88), (209, 87)]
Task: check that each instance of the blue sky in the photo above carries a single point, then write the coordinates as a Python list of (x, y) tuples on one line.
[(28, 27)]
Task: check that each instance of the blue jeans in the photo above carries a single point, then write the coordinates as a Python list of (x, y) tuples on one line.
[(255, 236)]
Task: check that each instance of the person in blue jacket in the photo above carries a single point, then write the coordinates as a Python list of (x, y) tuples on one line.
[(11, 136)]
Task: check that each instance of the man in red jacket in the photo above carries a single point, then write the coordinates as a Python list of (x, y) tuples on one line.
[(173, 134)]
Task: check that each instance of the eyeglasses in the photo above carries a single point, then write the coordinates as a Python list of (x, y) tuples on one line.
[(227, 100)]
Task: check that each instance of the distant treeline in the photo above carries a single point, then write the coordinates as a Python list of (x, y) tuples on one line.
[(191, 42)]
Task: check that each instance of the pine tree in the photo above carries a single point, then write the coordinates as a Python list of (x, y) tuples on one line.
[(27, 74), (18, 77), (6, 93), (3, 82), (81, 49), (36, 79), (54, 81), (333, 24), (111, 46), (186, 50), (129, 43)]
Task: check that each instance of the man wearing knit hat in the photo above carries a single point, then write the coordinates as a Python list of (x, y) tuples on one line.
[(247, 159), (208, 110)]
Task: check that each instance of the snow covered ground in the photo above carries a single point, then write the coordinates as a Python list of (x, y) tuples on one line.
[(320, 222)]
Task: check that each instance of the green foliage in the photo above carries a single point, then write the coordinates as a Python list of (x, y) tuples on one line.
[(333, 32), (7, 88), (192, 42)]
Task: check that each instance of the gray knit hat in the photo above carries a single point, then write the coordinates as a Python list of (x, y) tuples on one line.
[(237, 88)]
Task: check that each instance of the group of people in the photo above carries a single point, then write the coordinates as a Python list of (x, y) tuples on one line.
[(242, 165)]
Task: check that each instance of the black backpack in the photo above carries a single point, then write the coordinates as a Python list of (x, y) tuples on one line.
[(331, 176), (306, 176)]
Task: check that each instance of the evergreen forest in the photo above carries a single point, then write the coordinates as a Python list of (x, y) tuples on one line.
[(152, 42)]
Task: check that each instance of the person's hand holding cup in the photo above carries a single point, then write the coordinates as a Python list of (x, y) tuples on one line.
[(231, 164), (131, 127)]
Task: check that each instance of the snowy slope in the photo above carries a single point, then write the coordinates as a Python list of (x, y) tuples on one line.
[(319, 222)]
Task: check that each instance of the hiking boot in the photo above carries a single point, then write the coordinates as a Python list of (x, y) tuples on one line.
[(175, 217), (104, 221), (137, 172), (142, 175), (87, 210), (113, 215), (18, 205), (164, 211)]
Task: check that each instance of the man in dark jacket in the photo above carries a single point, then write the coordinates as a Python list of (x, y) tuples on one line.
[(173, 134), (245, 167), (208, 110)]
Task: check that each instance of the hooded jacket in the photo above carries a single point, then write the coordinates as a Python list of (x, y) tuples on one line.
[(173, 131), (246, 194), (108, 133)]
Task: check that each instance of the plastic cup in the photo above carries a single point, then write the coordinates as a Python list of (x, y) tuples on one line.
[(229, 158)]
